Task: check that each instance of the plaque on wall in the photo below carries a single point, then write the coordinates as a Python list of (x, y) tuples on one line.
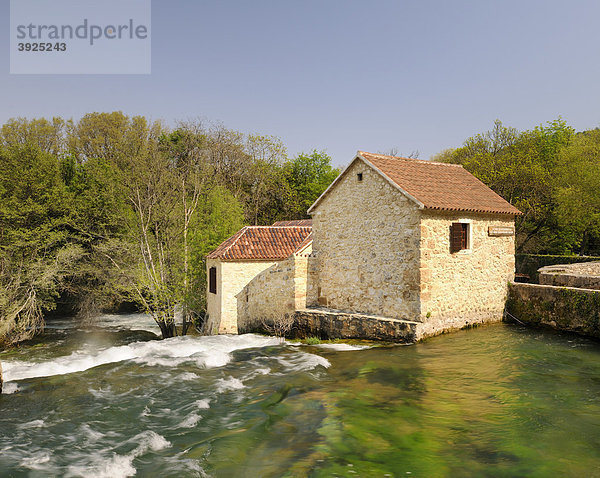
[(497, 231)]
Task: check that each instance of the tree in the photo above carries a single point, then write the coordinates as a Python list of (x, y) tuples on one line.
[(220, 215), (307, 176), (263, 178), (36, 251), (578, 192), (46, 135)]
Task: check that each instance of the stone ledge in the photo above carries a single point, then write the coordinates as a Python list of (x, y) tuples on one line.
[(335, 324), (582, 275)]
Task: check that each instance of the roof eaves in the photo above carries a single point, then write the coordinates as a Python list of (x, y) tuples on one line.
[(515, 212), (243, 259)]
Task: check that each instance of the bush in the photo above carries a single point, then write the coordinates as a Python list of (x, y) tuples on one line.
[(312, 341)]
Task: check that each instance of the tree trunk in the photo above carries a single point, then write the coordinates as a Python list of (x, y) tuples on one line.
[(187, 322), (584, 244), (0, 377), (167, 329)]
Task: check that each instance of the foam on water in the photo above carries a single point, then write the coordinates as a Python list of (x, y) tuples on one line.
[(203, 403), (190, 421), (37, 461), (32, 424), (120, 466), (342, 347), (114, 321), (229, 383), (207, 352), (303, 361), (9, 388)]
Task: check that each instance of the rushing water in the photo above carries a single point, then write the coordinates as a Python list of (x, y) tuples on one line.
[(111, 400)]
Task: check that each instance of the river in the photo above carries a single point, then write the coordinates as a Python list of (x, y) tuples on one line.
[(110, 400)]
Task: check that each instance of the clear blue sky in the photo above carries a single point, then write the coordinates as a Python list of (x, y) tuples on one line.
[(345, 75)]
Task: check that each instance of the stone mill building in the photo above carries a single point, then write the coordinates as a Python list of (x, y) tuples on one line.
[(398, 249)]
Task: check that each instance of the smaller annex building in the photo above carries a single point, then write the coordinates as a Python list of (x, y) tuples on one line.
[(241, 258)]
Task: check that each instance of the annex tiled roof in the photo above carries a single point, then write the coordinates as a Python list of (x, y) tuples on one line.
[(256, 243), (305, 243), (433, 185), (297, 222)]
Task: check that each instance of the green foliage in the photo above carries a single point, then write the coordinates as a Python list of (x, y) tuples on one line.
[(577, 192), (220, 216), (35, 249), (312, 341), (307, 176)]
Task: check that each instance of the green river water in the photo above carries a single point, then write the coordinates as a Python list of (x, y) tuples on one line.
[(113, 401)]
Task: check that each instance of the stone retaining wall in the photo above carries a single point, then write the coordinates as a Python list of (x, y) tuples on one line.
[(340, 325), (563, 308), (581, 275)]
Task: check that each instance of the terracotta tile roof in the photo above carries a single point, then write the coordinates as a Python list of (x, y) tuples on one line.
[(437, 185), (297, 222), (305, 243), (257, 243)]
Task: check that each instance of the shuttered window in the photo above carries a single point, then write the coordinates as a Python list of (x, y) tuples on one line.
[(459, 236), (212, 280)]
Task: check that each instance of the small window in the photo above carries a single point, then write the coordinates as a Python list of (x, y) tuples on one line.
[(459, 236), (212, 280), (359, 176)]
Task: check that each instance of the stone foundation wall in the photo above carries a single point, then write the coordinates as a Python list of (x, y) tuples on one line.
[(366, 244), (563, 308), (463, 288), (338, 325)]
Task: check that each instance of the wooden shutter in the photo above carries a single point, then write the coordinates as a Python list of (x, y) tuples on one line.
[(212, 280), (456, 235)]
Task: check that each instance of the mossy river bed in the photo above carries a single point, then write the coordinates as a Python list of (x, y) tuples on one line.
[(111, 400)]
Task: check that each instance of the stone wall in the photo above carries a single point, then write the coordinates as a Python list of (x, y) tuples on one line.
[(583, 275), (273, 294), (335, 325), (366, 243), (232, 277), (468, 287), (563, 308)]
